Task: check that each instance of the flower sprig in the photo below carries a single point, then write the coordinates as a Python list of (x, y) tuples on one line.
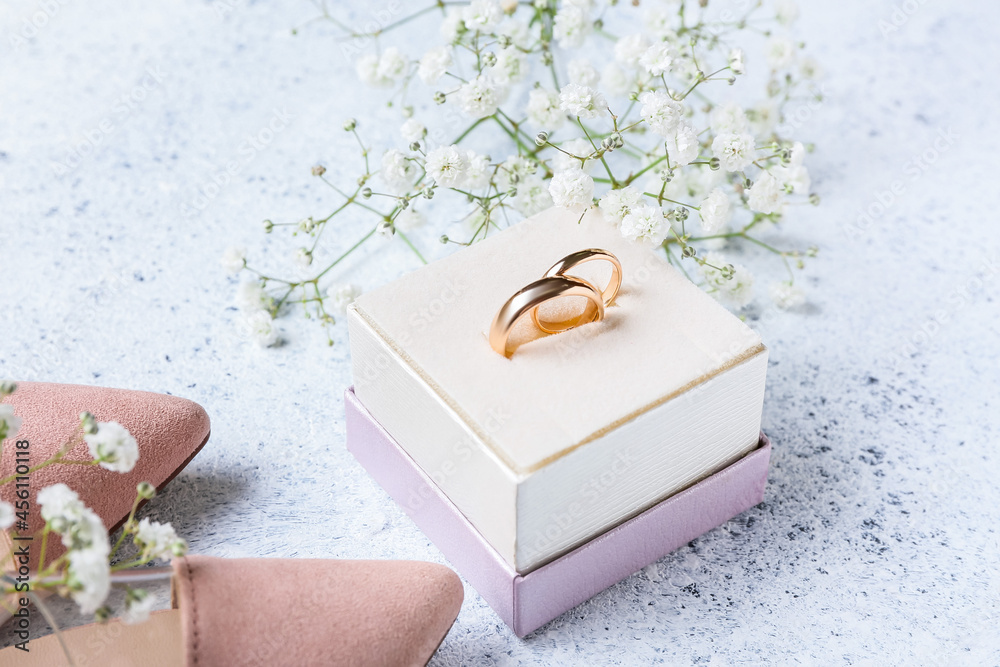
[(647, 136), (88, 567)]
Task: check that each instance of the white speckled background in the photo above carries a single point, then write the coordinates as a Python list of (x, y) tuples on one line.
[(878, 542)]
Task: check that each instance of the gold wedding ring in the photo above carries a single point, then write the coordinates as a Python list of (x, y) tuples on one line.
[(537, 293), (563, 266)]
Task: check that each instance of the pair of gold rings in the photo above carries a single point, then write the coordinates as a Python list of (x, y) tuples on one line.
[(556, 283)]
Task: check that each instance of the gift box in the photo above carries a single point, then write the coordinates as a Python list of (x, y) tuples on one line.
[(526, 602), (577, 434)]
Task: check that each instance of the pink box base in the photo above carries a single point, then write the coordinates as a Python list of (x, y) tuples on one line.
[(526, 602)]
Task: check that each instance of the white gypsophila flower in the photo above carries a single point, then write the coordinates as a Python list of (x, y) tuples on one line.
[(447, 165), (735, 151), (6, 515), (87, 533), (616, 80), (659, 22), (397, 173), (582, 101), (452, 25), (571, 188), (532, 196), (89, 580), (513, 170), (260, 328), (766, 195), (810, 68), (511, 65), (736, 291), (684, 146), (795, 174), (764, 117), (113, 447), (155, 539), (786, 11), (234, 259), (480, 97), (577, 148), (786, 295), (367, 68), (714, 211), (517, 31), (661, 112), (482, 15), (616, 204), (780, 53), (572, 26), (60, 503), (434, 64), (392, 64), (302, 258), (478, 172), (138, 607), (412, 130), (582, 73), (544, 110), (250, 296), (629, 49), (658, 58), (342, 296), (9, 424), (729, 117), (736, 64), (646, 224), (409, 219)]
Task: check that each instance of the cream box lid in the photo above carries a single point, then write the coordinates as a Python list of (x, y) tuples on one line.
[(662, 337)]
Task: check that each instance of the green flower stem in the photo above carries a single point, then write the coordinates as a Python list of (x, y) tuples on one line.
[(45, 464), (614, 181), (407, 241)]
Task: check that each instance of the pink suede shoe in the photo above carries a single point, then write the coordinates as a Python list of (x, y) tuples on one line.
[(275, 612), (169, 431)]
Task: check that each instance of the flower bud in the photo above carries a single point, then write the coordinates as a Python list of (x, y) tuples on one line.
[(444, 239), (145, 490), (503, 41), (490, 59), (428, 193), (814, 199), (7, 387), (350, 125), (268, 226), (88, 423), (714, 164), (415, 146), (366, 193), (542, 138), (440, 98), (318, 170), (689, 251), (728, 271), (179, 548)]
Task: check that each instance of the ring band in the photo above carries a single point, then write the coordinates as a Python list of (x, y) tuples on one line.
[(537, 293), (563, 266)]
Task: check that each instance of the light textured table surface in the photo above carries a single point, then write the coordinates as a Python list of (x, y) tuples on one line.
[(878, 542)]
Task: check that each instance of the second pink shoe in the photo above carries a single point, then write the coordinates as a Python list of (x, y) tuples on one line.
[(275, 612)]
